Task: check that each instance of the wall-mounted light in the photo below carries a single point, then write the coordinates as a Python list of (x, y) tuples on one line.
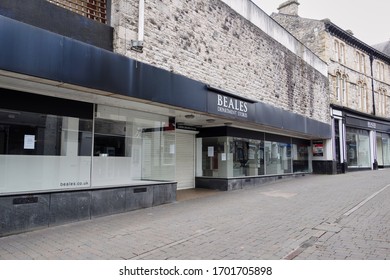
[(190, 116), (210, 120), (137, 46)]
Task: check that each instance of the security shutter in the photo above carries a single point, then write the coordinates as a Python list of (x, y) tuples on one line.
[(185, 160)]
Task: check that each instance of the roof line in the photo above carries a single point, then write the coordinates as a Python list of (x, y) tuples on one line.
[(342, 34)]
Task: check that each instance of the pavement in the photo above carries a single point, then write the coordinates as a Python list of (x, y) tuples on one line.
[(310, 217)]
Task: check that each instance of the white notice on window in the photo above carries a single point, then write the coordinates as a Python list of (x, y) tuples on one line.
[(29, 142), (172, 149), (210, 151)]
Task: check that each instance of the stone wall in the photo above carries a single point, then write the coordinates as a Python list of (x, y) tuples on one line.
[(209, 42), (310, 32)]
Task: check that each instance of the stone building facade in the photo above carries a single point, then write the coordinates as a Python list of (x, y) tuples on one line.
[(208, 41), (111, 106), (359, 83)]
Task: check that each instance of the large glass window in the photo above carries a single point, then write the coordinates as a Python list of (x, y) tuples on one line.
[(386, 149), (358, 148), (248, 156), (42, 151), (300, 155), (277, 157), (226, 157), (217, 158), (131, 146), (383, 149)]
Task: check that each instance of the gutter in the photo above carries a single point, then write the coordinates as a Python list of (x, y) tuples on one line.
[(137, 45)]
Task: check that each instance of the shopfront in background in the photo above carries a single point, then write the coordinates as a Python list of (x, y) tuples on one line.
[(367, 142), (361, 140)]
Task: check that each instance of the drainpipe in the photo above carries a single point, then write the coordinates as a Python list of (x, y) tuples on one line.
[(372, 84), (138, 45)]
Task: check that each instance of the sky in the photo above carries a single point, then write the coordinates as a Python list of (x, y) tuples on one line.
[(368, 20)]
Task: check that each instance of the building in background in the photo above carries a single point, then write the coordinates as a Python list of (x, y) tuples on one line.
[(383, 47), (359, 83), (110, 106)]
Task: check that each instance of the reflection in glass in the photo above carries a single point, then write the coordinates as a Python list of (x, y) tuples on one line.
[(277, 158), (132, 146), (227, 157)]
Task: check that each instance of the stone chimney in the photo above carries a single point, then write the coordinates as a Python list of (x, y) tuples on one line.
[(289, 8)]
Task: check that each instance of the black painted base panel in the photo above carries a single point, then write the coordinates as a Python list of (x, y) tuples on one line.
[(19, 213), (326, 167), (224, 184)]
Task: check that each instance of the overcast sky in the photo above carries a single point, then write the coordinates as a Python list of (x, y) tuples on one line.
[(369, 20)]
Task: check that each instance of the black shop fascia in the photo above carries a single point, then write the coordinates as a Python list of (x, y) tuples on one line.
[(229, 105)]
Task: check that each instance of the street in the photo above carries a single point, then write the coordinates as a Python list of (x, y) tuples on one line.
[(310, 217)]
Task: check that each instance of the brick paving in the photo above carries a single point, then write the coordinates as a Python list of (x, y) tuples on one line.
[(311, 217)]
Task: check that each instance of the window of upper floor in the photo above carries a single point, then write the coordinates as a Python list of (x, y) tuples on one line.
[(362, 96), (360, 62), (339, 51), (93, 9), (341, 88), (380, 71), (381, 102)]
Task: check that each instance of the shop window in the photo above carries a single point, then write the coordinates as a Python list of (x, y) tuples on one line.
[(300, 155), (131, 146), (217, 158), (358, 148), (383, 149), (277, 158), (228, 157), (110, 138), (51, 151), (248, 157)]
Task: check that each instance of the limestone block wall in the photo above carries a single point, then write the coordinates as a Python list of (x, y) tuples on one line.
[(208, 41), (310, 32)]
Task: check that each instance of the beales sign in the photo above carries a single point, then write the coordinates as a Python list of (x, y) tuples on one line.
[(230, 107)]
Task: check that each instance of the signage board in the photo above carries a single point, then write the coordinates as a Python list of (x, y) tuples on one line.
[(230, 107)]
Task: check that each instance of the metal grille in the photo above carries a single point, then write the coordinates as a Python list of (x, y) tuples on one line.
[(93, 9)]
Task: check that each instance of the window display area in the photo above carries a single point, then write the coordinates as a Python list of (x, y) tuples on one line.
[(358, 148), (40, 151), (63, 161), (231, 157), (383, 149), (132, 146)]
